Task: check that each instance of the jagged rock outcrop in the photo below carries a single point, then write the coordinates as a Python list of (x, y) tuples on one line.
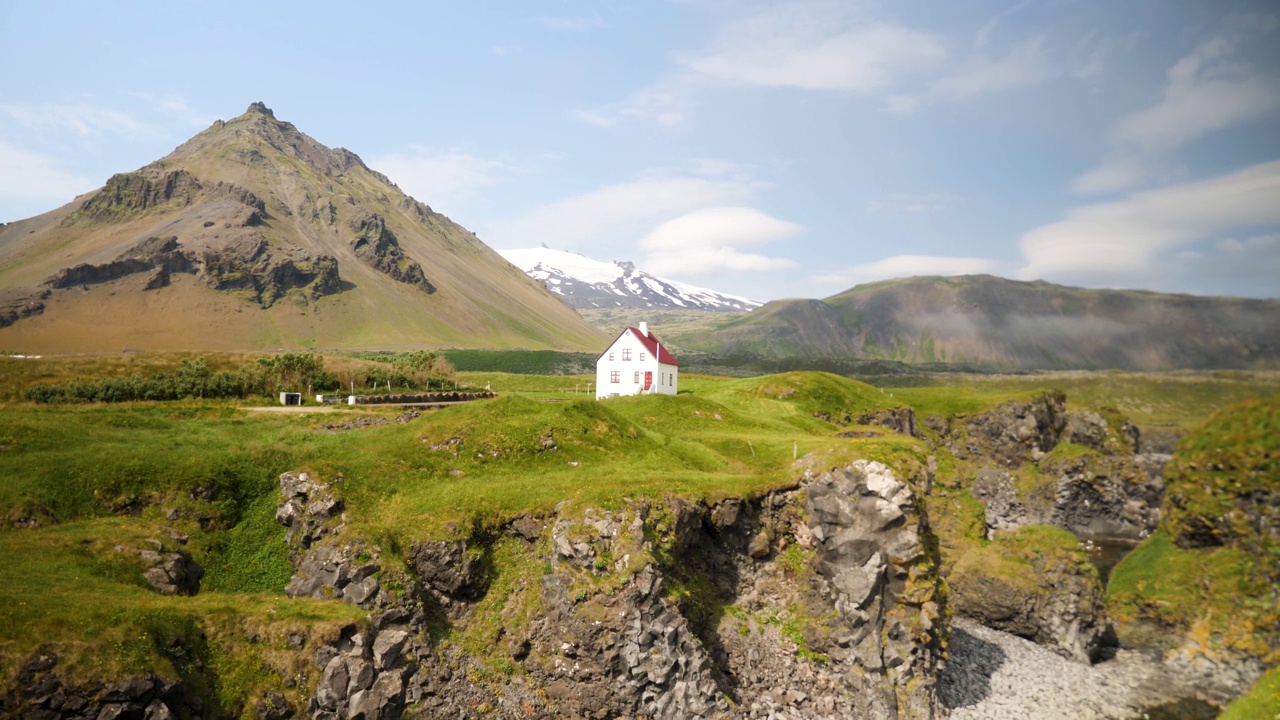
[(901, 420), (248, 264), (128, 194), (325, 564), (375, 244), (1050, 598), (838, 608), (1103, 496), (266, 272), (171, 573), (19, 303), (867, 529), (1012, 434), (43, 692), (1004, 510)]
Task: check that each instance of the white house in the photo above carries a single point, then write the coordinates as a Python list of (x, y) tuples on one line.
[(635, 364)]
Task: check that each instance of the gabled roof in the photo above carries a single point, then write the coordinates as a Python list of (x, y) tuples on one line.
[(650, 342)]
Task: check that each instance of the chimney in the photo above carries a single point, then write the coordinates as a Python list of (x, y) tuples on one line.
[(644, 329)]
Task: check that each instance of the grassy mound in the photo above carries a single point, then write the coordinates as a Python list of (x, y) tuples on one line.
[(1211, 574)]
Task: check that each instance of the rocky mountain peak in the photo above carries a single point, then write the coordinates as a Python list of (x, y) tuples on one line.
[(262, 215), (260, 108)]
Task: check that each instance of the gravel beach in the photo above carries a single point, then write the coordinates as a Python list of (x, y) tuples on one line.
[(993, 675)]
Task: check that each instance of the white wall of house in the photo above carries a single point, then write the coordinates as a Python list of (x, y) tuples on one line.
[(628, 364)]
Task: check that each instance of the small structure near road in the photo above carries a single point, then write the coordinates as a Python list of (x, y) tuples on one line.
[(290, 398), (636, 363)]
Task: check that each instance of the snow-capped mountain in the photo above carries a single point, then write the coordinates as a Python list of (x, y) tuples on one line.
[(586, 284)]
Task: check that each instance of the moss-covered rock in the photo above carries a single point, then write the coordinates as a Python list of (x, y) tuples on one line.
[(1208, 582)]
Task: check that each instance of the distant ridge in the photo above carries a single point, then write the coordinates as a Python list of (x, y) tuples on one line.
[(253, 235), (1007, 324), (589, 284)]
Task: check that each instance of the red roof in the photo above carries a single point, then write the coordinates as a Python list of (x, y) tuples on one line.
[(651, 343)]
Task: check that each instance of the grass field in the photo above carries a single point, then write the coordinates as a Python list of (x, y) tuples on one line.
[(112, 475)]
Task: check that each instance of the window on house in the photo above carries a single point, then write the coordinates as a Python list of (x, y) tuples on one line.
[(637, 378), (642, 357), (610, 357), (626, 354), (615, 376)]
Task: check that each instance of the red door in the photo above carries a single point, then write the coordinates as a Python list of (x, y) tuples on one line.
[(648, 381)]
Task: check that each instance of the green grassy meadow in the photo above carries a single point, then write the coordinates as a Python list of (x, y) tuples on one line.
[(122, 474)]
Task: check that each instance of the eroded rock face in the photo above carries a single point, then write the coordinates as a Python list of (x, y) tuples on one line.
[(42, 691), (836, 610), (375, 244), (1013, 433), (901, 420), (1056, 602), (1100, 496), (866, 529)]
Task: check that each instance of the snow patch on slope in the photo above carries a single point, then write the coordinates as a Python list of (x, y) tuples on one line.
[(587, 283)]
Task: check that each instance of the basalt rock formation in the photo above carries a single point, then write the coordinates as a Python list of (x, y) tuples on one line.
[(821, 601)]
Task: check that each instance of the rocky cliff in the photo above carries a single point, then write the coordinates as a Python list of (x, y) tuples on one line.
[(819, 601)]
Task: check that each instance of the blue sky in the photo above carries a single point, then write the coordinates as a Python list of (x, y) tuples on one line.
[(766, 149)]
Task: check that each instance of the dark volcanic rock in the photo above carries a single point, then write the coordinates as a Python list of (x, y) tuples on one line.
[(375, 244), (129, 194), (1054, 599), (1014, 433)]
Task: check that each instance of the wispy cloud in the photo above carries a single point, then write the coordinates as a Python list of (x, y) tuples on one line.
[(81, 118), (444, 180), (1025, 65), (983, 36), (177, 106), (817, 45), (712, 239), (666, 103), (1211, 89), (909, 266), (611, 218), (589, 21), (1177, 236), (1128, 240), (35, 182)]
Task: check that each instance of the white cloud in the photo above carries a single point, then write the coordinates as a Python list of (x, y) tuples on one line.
[(1024, 66), (910, 266), (988, 28), (30, 182), (80, 118), (666, 103), (710, 239), (807, 44), (1267, 243), (176, 106), (443, 180), (1128, 240), (1115, 174), (1209, 90), (802, 45), (609, 218)]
